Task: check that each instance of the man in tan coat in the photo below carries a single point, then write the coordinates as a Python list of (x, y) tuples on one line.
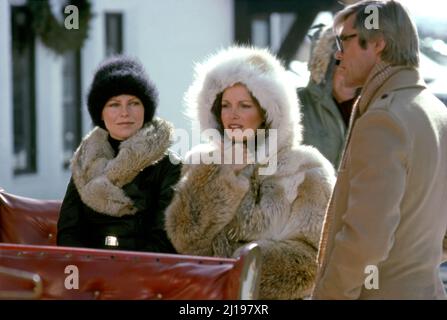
[(384, 228)]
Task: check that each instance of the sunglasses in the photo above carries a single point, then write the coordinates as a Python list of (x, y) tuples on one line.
[(340, 38)]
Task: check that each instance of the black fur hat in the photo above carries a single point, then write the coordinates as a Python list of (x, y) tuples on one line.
[(121, 75)]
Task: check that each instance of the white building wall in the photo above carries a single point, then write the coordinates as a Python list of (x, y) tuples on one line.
[(167, 36), (5, 97)]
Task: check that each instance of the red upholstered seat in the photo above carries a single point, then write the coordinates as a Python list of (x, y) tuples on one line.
[(28, 221), (32, 267), (40, 272)]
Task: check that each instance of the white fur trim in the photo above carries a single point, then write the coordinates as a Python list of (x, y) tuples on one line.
[(264, 77)]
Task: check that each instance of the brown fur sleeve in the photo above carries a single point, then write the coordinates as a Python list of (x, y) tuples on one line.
[(289, 261), (288, 270), (205, 201)]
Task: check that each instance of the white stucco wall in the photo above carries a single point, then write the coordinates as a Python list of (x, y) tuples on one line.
[(167, 36), (5, 96)]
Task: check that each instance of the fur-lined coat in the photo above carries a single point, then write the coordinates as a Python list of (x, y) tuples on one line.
[(215, 211), (324, 127), (120, 189)]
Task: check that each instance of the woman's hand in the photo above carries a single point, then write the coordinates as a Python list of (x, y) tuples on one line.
[(235, 155)]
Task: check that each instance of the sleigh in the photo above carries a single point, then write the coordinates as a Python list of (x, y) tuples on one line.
[(33, 267)]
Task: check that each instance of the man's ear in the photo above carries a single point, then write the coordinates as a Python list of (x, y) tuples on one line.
[(379, 45)]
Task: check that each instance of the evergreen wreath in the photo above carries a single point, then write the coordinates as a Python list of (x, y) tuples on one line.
[(53, 33)]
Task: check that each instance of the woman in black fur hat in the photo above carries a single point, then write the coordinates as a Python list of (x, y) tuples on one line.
[(122, 172)]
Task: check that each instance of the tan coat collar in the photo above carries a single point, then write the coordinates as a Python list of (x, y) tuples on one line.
[(384, 78)]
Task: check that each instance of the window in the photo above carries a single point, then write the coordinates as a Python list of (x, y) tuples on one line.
[(269, 30), (114, 33), (280, 25), (260, 30), (24, 101), (72, 123)]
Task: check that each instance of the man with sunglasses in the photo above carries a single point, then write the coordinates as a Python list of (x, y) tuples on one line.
[(384, 227)]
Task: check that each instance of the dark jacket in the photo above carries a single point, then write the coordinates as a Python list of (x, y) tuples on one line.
[(323, 125), (324, 121), (141, 228)]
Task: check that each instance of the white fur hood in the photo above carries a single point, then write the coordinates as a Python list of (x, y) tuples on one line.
[(264, 77)]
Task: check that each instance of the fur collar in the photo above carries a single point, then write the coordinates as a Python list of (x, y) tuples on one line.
[(99, 175)]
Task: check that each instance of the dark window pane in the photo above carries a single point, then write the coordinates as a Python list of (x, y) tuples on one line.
[(114, 33), (71, 95), (260, 31), (24, 119)]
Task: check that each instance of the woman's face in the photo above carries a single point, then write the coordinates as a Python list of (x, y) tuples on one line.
[(123, 116), (240, 112)]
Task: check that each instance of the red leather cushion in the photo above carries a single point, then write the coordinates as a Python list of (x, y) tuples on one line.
[(28, 221), (109, 274)]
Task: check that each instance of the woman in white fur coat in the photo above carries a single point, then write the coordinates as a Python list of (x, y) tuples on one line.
[(217, 208)]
